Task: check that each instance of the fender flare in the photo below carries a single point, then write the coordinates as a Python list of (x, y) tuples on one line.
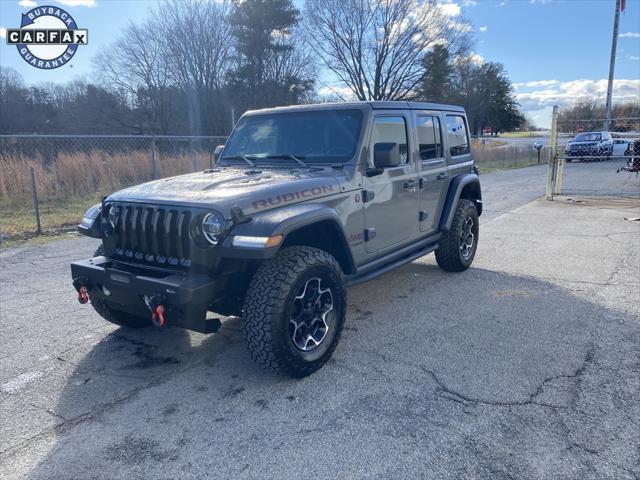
[(456, 186), (283, 221)]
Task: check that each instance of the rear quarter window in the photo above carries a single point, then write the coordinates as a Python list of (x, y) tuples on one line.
[(457, 136)]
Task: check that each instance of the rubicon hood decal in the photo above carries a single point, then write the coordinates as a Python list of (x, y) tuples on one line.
[(221, 189), (291, 197)]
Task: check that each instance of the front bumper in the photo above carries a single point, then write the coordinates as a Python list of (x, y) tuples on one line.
[(186, 297)]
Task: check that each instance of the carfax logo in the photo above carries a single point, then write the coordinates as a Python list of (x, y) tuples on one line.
[(48, 37)]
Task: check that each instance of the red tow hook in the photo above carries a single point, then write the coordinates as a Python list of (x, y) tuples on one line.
[(83, 295), (157, 317)]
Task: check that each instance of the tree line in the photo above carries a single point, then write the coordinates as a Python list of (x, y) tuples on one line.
[(193, 66), (589, 114)]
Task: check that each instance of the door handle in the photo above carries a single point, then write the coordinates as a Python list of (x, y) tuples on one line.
[(442, 176), (410, 184)]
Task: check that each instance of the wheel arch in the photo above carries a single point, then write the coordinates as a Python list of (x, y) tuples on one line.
[(313, 225), (326, 235), (465, 186)]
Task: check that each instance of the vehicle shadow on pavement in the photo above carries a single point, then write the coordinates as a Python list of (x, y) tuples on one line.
[(478, 374)]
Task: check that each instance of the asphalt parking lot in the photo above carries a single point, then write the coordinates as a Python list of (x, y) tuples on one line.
[(525, 366)]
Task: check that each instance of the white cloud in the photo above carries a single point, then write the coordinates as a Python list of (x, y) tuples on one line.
[(78, 3), (536, 83), (330, 93), (476, 58), (3, 32), (450, 9), (630, 35), (469, 3), (27, 3), (483, 29), (633, 57), (566, 93)]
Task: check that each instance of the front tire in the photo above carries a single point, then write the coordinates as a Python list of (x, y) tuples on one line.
[(116, 317), (458, 246), (294, 311)]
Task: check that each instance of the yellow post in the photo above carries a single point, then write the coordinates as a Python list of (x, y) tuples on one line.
[(553, 155)]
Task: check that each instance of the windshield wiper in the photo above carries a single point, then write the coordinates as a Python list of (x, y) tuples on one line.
[(295, 158), (246, 158)]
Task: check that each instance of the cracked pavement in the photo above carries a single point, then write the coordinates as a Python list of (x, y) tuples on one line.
[(525, 366)]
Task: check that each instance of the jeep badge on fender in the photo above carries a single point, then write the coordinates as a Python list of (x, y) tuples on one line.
[(303, 202)]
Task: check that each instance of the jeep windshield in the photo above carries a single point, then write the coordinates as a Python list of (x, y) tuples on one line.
[(588, 137), (295, 138)]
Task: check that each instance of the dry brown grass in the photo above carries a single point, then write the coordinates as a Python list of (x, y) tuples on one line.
[(507, 157), (73, 182), (76, 175)]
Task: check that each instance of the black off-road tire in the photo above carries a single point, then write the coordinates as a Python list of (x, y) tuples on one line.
[(116, 317), (269, 305), (449, 254)]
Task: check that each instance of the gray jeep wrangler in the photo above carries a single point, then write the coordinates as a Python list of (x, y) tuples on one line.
[(301, 203)]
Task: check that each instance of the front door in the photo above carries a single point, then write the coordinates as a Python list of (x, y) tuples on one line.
[(391, 198), (433, 174)]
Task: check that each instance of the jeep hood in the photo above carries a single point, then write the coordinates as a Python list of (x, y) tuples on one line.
[(222, 188)]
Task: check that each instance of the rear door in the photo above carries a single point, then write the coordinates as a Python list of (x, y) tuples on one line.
[(391, 206), (432, 171)]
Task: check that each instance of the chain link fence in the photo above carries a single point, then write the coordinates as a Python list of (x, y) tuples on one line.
[(594, 156), (48, 181), (495, 154)]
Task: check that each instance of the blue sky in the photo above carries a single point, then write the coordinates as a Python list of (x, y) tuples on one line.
[(553, 50)]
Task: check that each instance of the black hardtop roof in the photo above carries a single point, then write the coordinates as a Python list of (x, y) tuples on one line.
[(375, 105)]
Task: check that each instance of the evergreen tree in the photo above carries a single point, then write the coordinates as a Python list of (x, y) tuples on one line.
[(436, 81), (270, 68)]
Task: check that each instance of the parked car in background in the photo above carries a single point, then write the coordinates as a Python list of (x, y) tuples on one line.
[(590, 144)]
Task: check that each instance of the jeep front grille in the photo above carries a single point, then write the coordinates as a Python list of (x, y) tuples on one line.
[(153, 234)]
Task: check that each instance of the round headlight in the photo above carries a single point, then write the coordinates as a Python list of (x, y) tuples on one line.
[(212, 227)]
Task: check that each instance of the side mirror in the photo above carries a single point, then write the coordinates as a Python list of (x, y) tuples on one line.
[(217, 152), (386, 155)]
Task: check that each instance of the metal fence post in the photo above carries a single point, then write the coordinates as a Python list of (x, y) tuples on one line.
[(154, 160), (35, 201), (553, 159), (559, 174), (194, 160)]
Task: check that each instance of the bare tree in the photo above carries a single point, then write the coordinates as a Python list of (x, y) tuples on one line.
[(375, 47), (196, 35), (290, 65), (197, 44), (181, 53), (135, 65)]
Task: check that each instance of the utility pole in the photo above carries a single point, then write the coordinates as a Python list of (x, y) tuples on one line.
[(612, 66)]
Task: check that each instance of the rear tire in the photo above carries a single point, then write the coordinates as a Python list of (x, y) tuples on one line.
[(294, 311), (457, 249), (116, 317)]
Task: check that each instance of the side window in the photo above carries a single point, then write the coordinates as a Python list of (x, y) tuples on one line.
[(429, 137), (391, 129), (457, 135)]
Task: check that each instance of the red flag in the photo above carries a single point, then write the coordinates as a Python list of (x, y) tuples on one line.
[(622, 5)]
